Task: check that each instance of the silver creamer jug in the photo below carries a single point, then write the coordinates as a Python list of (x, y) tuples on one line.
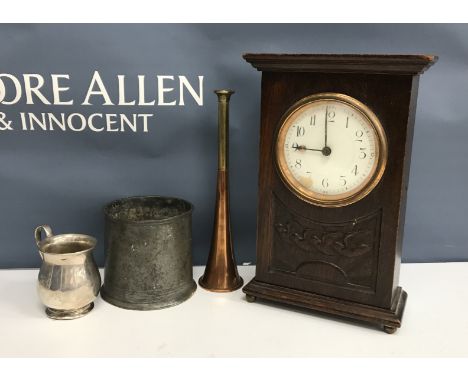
[(69, 280)]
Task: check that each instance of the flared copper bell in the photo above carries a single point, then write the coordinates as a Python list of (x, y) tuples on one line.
[(221, 270)]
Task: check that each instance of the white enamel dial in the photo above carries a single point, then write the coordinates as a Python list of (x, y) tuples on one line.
[(331, 149)]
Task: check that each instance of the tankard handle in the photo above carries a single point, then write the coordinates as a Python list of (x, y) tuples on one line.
[(38, 233)]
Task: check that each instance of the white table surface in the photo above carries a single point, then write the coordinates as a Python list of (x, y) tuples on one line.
[(435, 323)]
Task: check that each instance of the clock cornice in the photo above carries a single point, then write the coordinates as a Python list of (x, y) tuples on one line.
[(399, 64)]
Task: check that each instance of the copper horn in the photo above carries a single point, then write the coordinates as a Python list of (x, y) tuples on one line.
[(221, 270)]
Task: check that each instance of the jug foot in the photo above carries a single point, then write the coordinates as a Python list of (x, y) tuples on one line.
[(59, 314)]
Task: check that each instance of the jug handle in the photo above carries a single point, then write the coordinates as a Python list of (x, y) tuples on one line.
[(38, 233)]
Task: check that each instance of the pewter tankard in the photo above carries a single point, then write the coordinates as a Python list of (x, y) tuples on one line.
[(148, 252), (69, 280)]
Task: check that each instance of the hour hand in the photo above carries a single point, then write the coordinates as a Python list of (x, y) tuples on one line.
[(297, 147)]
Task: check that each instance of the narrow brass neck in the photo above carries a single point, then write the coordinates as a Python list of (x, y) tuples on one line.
[(223, 127)]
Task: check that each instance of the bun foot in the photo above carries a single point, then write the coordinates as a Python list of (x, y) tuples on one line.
[(250, 298), (389, 329)]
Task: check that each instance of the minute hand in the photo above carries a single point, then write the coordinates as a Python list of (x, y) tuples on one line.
[(326, 125)]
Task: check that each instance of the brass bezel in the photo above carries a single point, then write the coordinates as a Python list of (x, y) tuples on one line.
[(315, 198)]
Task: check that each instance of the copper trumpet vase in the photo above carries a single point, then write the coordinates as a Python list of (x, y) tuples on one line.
[(221, 273)]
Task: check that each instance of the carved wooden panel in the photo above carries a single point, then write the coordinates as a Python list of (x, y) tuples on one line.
[(341, 253)]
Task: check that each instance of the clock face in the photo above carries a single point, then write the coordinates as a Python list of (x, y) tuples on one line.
[(331, 149)]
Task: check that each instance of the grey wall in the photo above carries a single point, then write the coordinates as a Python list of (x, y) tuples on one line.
[(64, 179)]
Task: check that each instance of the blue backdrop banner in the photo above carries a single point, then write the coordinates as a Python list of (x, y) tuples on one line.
[(93, 113)]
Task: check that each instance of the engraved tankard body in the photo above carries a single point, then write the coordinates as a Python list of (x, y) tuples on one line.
[(69, 280)]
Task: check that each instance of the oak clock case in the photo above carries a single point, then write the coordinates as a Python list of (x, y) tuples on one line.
[(322, 245)]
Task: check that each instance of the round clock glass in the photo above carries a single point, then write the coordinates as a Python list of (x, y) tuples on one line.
[(331, 149)]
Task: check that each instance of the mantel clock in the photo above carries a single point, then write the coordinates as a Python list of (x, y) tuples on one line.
[(335, 145)]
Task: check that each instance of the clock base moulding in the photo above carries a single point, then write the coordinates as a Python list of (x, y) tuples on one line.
[(387, 319)]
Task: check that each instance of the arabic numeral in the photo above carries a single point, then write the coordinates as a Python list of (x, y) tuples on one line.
[(362, 154), (359, 134), (300, 131), (312, 120), (325, 182)]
